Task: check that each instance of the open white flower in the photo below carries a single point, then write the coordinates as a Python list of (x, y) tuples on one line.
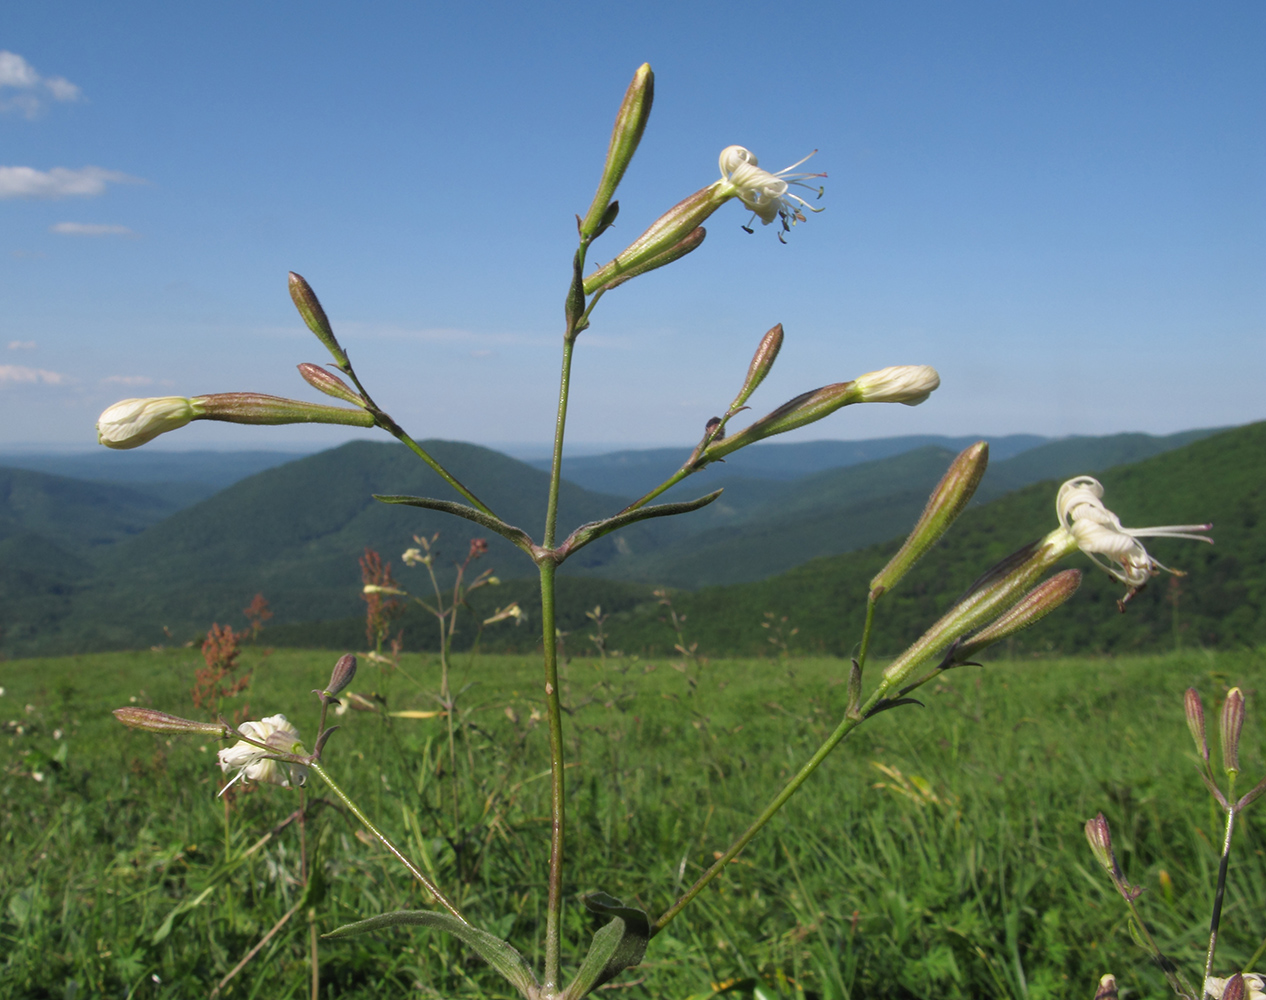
[(1117, 549), (767, 195), (251, 761)]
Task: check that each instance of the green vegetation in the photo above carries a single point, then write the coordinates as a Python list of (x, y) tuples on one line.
[(938, 853), (77, 572)]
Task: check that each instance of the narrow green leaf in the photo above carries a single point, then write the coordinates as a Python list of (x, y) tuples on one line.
[(616, 947), (594, 530), (517, 535), (497, 953)]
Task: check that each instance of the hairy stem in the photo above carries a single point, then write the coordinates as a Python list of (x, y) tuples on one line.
[(558, 812), (1216, 920), (365, 821)]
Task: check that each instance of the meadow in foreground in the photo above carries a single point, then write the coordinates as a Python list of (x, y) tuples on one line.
[(943, 855)]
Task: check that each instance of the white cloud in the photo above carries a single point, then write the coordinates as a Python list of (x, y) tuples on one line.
[(60, 182), (30, 90), (18, 373), (89, 229), (127, 380), (21, 345)]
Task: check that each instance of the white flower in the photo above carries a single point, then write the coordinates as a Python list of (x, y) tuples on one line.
[(252, 762), (909, 384), (768, 195), (129, 423), (1099, 533), (1256, 987)]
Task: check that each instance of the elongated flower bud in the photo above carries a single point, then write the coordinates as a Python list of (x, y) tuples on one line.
[(1107, 988), (1029, 610), (630, 123), (309, 307), (804, 409), (160, 722), (1100, 839), (762, 361), (131, 423), (991, 595), (947, 501), (344, 672), (909, 384), (1195, 722), (330, 384), (687, 244), (257, 408), (1232, 724)]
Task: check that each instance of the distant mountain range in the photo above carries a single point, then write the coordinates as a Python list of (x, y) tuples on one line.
[(87, 565)]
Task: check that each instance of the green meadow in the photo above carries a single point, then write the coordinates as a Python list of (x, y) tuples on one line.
[(938, 853)]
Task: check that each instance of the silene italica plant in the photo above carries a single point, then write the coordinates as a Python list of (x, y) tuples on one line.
[(1012, 595)]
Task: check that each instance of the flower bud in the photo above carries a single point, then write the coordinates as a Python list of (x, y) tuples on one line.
[(1107, 988), (630, 123), (130, 423), (687, 244), (652, 248), (762, 361), (986, 599), (160, 722), (1234, 988), (1195, 722), (804, 409), (257, 408), (343, 673), (947, 501), (1029, 610), (330, 384), (373, 588), (909, 384), (1232, 723), (309, 307), (1100, 839)]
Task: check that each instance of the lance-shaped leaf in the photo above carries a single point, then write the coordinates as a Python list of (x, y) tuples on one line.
[(594, 530), (947, 501), (616, 947), (517, 535), (497, 953)]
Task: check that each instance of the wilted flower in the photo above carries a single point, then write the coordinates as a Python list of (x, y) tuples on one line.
[(767, 195), (1098, 532), (130, 423), (252, 762)]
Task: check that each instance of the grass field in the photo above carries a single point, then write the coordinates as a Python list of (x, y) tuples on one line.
[(939, 853)]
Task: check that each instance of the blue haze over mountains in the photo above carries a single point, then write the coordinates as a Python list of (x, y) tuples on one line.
[(105, 549)]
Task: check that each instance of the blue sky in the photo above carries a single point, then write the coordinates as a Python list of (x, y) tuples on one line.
[(1059, 206)]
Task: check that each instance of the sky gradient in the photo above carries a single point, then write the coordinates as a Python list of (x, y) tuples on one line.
[(1060, 207)]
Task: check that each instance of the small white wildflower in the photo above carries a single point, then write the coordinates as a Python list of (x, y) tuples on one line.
[(1099, 533), (252, 762), (413, 557), (767, 195)]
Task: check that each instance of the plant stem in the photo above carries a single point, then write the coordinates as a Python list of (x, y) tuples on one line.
[(560, 428), (843, 729), (558, 802), (870, 621), (1216, 919), (385, 421), (355, 810)]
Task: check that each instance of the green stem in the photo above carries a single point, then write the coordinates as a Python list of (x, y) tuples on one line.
[(560, 429), (395, 430), (667, 484), (1216, 919), (553, 912), (355, 810), (870, 621), (843, 729)]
